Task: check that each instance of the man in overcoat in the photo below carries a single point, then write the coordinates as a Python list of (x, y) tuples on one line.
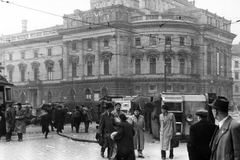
[(105, 129), (139, 128), (9, 116), (59, 119), (200, 137), (167, 130), (225, 144), (20, 127)]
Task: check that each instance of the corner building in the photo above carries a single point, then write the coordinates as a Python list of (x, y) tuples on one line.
[(120, 47)]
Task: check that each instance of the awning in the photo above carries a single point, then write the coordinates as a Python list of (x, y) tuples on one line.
[(172, 98), (195, 98)]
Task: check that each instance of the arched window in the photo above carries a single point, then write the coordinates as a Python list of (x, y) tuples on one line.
[(72, 95), (10, 76), (104, 92), (88, 94), (22, 75), (74, 69), (35, 74), (182, 65), (49, 97)]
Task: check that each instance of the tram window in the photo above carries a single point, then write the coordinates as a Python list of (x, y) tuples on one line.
[(8, 94), (174, 106)]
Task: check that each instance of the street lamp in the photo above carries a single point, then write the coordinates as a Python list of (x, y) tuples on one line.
[(166, 48)]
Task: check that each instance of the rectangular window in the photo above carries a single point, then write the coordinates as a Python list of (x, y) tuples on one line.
[(152, 87), (10, 57), (22, 55), (137, 88), (192, 42), (236, 75), (137, 66), (36, 70), (153, 40), (236, 64), (168, 65), (152, 65), (182, 87), (209, 65), (35, 52), (169, 87), (89, 44), (193, 88), (192, 66), (182, 66), (10, 76), (182, 41), (49, 52), (106, 67), (138, 41), (22, 75), (74, 69), (168, 40), (89, 68), (74, 46), (49, 73), (106, 42)]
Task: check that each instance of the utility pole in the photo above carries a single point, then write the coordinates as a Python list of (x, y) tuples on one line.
[(165, 71)]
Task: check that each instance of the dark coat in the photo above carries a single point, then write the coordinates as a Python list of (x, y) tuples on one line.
[(225, 144), (124, 140), (45, 121), (106, 128), (59, 119), (9, 116), (20, 126), (199, 140)]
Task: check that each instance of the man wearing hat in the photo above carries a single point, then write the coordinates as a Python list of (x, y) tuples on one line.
[(105, 129), (139, 128), (225, 144), (200, 136), (167, 130), (20, 121)]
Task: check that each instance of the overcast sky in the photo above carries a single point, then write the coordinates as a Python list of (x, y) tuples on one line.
[(11, 14)]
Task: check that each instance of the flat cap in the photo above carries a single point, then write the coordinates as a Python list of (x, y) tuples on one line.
[(202, 113)]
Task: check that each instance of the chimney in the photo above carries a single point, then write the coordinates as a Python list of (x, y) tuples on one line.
[(24, 25)]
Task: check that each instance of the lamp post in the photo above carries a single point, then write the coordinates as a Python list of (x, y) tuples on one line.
[(166, 48)]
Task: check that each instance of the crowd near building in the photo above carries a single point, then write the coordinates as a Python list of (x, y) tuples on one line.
[(121, 47)]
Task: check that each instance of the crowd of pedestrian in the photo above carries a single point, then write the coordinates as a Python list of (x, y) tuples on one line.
[(122, 135)]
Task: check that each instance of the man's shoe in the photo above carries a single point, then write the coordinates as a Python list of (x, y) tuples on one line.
[(170, 157), (102, 154), (163, 158)]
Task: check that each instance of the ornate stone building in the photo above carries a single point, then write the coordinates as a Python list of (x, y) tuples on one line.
[(120, 47), (236, 73)]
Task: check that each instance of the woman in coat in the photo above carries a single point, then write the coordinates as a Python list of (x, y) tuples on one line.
[(139, 128), (167, 130), (124, 140), (20, 127), (45, 121)]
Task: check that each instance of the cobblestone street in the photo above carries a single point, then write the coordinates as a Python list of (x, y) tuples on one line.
[(57, 147)]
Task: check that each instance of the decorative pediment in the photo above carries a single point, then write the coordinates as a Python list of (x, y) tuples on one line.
[(170, 54), (73, 59), (10, 67), (106, 55), (183, 54), (49, 63), (89, 57), (22, 66), (137, 55), (153, 53), (35, 64)]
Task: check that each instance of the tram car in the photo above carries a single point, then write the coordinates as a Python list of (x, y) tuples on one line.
[(6, 98)]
